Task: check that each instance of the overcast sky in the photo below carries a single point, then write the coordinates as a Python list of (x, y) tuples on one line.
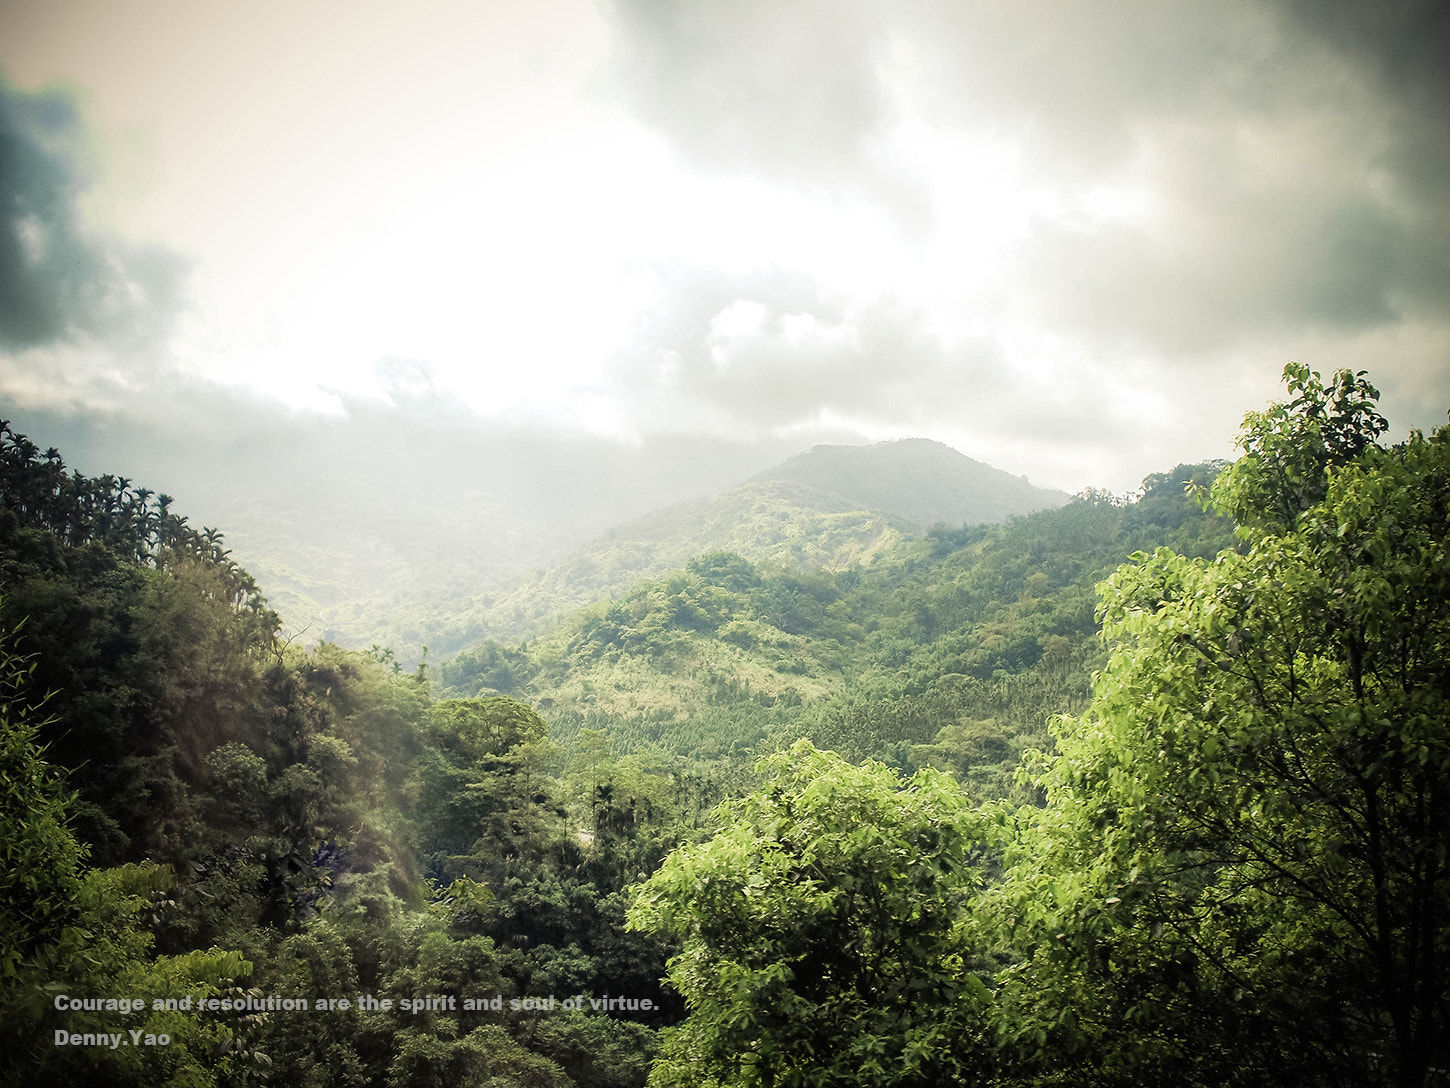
[(1077, 241)]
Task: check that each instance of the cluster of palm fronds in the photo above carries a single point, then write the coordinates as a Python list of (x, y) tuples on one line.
[(134, 523)]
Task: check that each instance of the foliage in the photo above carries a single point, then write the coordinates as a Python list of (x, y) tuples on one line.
[(74, 511), (950, 652), (282, 788), (65, 932), (1290, 449), (38, 853), (319, 816), (1240, 874), (821, 932), (147, 634)]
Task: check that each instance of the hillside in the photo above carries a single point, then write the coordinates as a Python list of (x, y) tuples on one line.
[(779, 522), (342, 570), (983, 630), (915, 479), (828, 508)]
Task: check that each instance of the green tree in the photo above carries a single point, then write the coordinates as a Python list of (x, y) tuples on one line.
[(821, 931), (1290, 450), (69, 933), (485, 803), (39, 855), (1240, 875)]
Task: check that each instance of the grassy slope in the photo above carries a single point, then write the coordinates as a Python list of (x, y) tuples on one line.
[(782, 523)]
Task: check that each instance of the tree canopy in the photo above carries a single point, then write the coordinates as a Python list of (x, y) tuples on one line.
[(1240, 875), (822, 932)]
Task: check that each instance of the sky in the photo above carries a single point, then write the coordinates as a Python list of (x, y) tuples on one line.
[(1076, 241)]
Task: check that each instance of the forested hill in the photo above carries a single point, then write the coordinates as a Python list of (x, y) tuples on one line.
[(922, 481), (1116, 793), (829, 508), (886, 657)]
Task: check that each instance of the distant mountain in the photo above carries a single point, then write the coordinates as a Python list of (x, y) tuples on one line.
[(916, 479), (951, 649), (774, 521), (341, 569), (356, 523), (829, 507)]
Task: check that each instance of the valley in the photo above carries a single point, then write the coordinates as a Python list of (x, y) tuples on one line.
[(801, 731)]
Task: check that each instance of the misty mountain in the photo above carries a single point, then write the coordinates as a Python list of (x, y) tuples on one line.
[(410, 525), (356, 521), (828, 508), (917, 480), (774, 521), (340, 570)]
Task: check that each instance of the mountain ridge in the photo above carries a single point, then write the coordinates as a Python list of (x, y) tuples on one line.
[(828, 507), (918, 479)]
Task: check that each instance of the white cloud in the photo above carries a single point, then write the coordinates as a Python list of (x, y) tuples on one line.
[(1074, 240)]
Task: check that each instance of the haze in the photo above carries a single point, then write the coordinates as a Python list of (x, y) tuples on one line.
[(1073, 241)]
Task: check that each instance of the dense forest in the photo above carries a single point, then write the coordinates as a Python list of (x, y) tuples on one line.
[(1126, 792)]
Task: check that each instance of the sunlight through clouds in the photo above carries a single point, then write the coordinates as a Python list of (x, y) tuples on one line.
[(893, 215)]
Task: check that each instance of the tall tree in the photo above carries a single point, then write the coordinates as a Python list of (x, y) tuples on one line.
[(67, 934), (1240, 875), (821, 930)]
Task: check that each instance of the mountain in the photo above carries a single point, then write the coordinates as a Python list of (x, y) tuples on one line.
[(985, 631), (828, 508), (917, 480), (777, 522), (354, 523), (340, 569)]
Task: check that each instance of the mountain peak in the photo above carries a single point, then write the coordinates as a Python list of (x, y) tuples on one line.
[(918, 479)]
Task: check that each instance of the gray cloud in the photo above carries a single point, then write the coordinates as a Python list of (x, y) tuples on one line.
[(1078, 82), (795, 92), (1294, 186), (1403, 48), (1294, 157), (58, 280), (809, 88), (760, 352), (756, 83), (1218, 275)]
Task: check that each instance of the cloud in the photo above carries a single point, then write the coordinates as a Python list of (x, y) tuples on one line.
[(811, 88), (1205, 275), (755, 84), (60, 281), (761, 352), (1076, 240), (1289, 160), (1403, 50)]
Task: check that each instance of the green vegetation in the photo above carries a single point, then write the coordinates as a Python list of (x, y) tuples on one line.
[(265, 822), (1240, 873), (822, 931), (831, 508), (949, 650), (906, 817)]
